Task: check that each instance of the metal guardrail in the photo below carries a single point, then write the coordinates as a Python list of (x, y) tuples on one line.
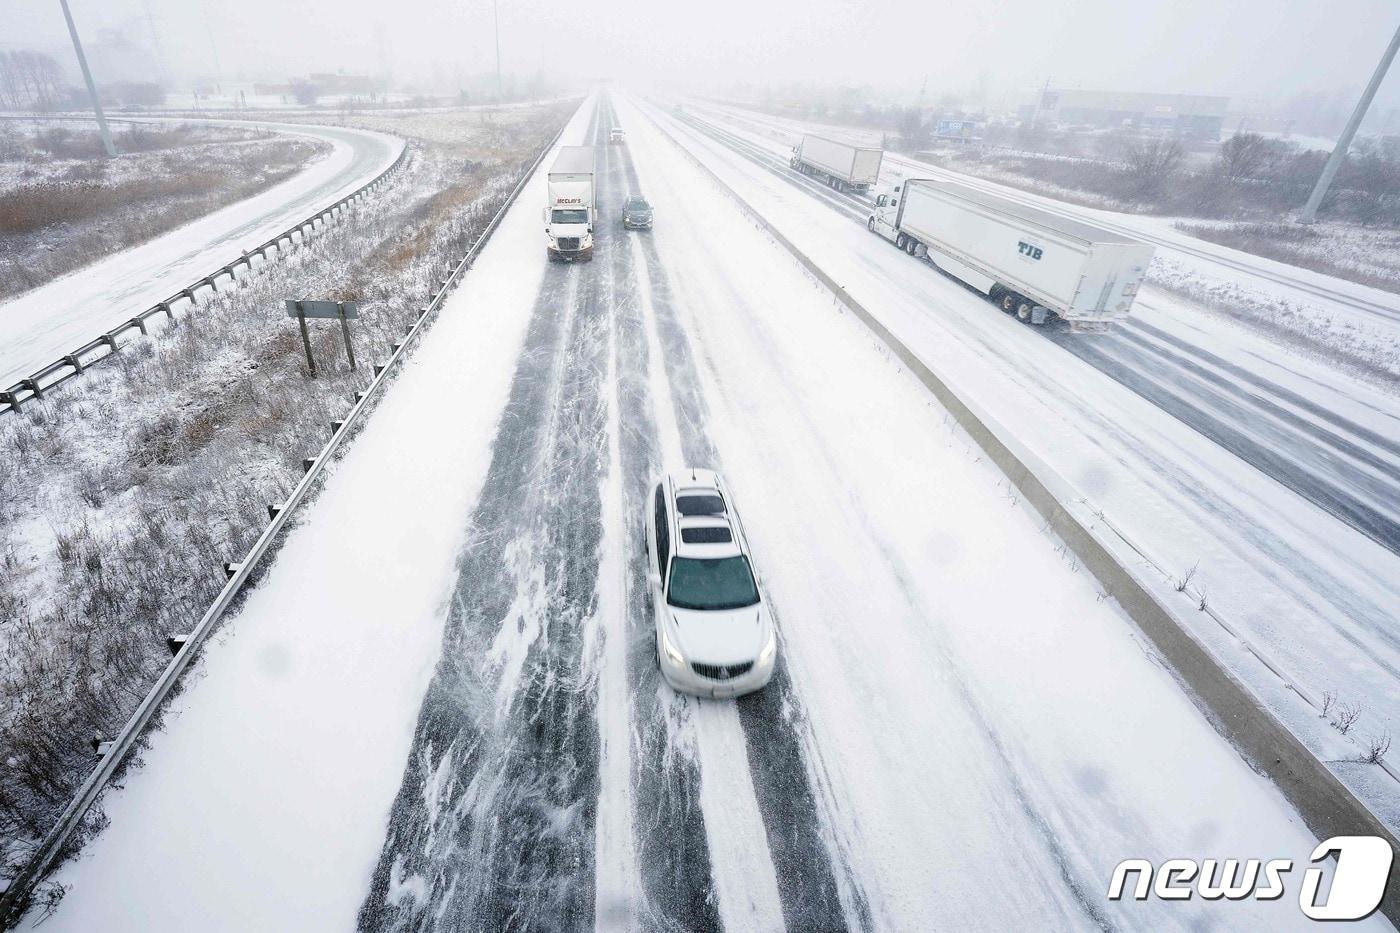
[(1328, 807), (109, 342), (14, 900)]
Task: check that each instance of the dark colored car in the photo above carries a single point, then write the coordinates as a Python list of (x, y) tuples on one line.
[(636, 213)]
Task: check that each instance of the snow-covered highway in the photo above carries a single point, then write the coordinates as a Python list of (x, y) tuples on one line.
[(41, 325), (1275, 475), (440, 708)]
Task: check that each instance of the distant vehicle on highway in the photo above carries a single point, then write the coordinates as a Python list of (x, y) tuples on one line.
[(714, 634), (636, 213), (617, 135), (1031, 262), (841, 165), (568, 218)]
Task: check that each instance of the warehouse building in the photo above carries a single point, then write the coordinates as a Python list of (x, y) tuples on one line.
[(1195, 116)]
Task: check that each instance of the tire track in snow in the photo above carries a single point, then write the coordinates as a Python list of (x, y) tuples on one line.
[(493, 828), (770, 720)]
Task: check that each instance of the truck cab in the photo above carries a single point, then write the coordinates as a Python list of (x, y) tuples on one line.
[(884, 219)]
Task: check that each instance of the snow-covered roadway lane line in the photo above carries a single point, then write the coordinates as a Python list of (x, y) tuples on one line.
[(41, 325), (618, 881)]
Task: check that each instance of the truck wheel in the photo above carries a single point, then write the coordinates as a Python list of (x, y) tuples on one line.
[(1008, 302), (902, 242), (912, 247), (1023, 312)]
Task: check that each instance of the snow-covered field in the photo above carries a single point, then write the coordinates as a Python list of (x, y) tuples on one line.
[(440, 710), (62, 205), (1204, 443), (44, 323)]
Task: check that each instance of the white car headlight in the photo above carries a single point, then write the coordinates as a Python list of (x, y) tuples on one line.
[(672, 651), (769, 650)]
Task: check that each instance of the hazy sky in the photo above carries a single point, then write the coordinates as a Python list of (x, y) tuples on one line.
[(1242, 48)]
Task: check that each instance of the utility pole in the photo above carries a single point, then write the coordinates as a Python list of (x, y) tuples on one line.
[(496, 15), (91, 85), (1334, 161)]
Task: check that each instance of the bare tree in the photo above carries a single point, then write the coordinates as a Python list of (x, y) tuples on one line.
[(1246, 155), (30, 80), (1149, 163)]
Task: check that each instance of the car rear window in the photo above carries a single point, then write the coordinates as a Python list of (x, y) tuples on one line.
[(700, 504), (714, 534)]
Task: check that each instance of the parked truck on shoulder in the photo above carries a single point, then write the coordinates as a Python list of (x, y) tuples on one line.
[(1029, 261), (569, 216), (841, 165)]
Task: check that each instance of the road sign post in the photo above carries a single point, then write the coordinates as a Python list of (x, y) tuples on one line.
[(345, 329), (341, 310)]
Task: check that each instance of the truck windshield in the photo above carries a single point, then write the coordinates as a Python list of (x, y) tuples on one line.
[(712, 583), (570, 217)]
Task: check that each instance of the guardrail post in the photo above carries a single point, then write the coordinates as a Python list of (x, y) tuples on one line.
[(307, 463), (33, 386), (72, 360), (165, 306), (336, 426), (272, 511), (140, 323), (174, 643), (231, 568)]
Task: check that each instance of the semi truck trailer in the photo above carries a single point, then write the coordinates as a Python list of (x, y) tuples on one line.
[(568, 218), (1030, 262), (841, 165)]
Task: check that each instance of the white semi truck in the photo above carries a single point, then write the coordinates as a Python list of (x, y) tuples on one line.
[(841, 165), (1029, 261), (568, 218)]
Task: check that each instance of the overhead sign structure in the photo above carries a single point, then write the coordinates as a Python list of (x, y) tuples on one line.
[(342, 310)]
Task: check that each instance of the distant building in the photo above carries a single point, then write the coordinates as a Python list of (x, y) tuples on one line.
[(1194, 116)]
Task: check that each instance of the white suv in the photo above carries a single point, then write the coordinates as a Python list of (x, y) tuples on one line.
[(714, 635)]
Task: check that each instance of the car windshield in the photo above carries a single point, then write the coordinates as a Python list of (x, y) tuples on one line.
[(637, 204), (571, 217), (712, 583)]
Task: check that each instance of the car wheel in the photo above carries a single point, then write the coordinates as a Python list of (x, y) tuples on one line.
[(870, 225)]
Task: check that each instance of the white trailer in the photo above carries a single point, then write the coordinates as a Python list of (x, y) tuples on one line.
[(569, 216), (841, 165), (1029, 261)]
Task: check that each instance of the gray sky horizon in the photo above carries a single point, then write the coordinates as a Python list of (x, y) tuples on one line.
[(1253, 51)]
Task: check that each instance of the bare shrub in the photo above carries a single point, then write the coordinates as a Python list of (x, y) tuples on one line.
[(1151, 164), (1377, 748), (1183, 581)]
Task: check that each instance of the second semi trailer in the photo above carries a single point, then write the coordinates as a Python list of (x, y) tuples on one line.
[(1031, 262)]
